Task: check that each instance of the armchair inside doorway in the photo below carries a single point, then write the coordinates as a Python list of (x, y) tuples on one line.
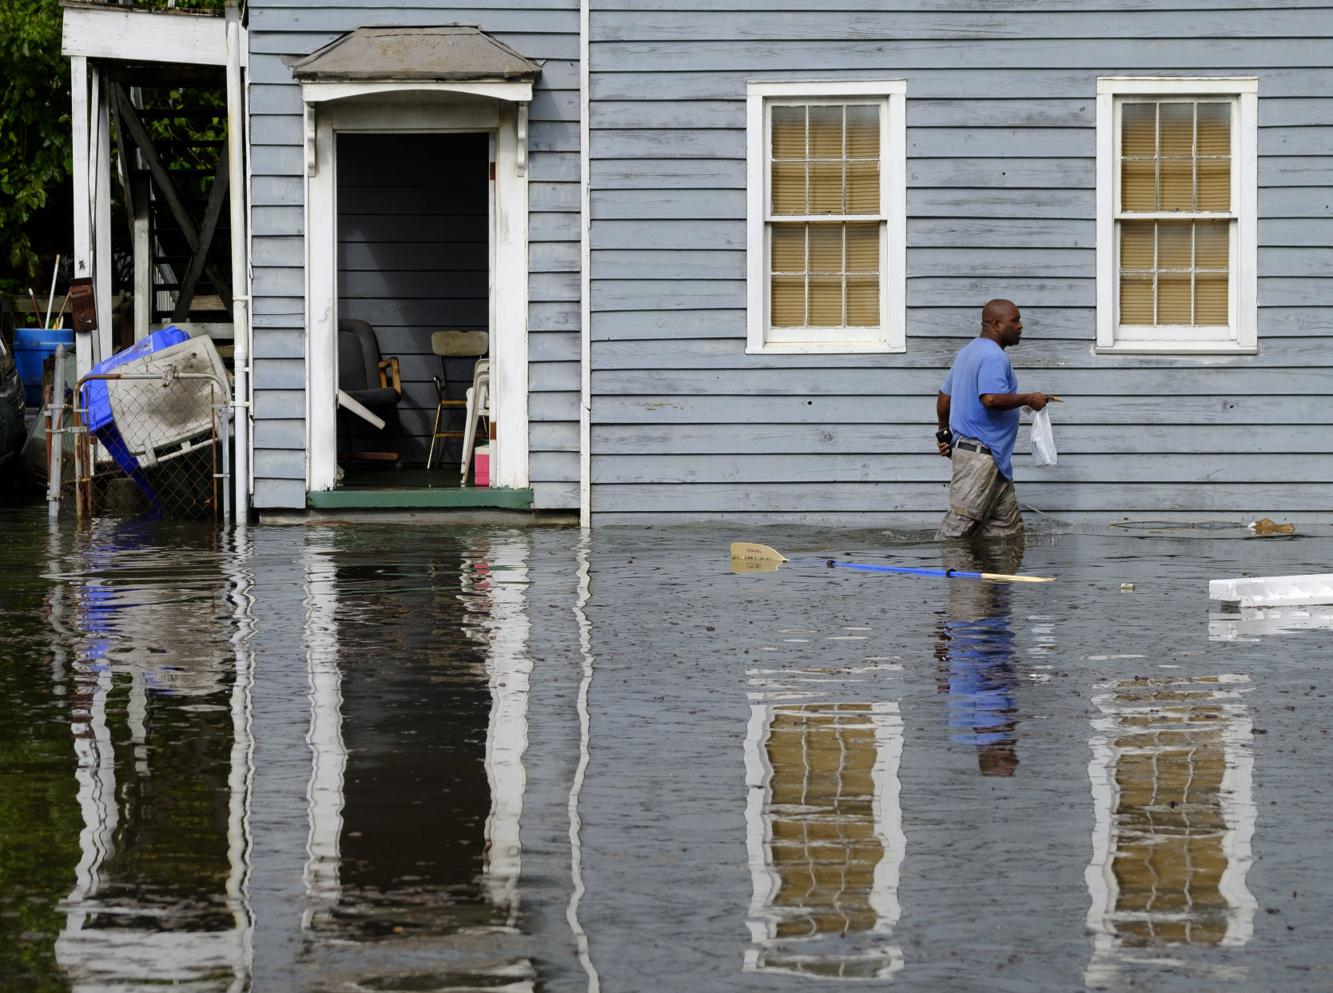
[(372, 382)]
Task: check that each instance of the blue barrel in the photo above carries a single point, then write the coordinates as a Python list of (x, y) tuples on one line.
[(31, 347)]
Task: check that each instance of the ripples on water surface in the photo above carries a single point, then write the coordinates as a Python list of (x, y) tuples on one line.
[(411, 758)]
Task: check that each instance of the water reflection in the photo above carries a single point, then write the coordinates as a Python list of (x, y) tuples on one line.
[(1171, 783), (1255, 623), (975, 646), (160, 738), (825, 838), (417, 736)]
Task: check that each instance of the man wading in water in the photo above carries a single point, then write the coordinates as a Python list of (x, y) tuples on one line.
[(977, 411)]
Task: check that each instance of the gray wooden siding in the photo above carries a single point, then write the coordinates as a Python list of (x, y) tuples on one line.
[(1001, 202), (540, 29)]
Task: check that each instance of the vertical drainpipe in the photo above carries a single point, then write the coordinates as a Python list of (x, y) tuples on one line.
[(585, 272), (239, 264)]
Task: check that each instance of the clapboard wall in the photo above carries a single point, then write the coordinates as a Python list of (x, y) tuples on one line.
[(544, 30), (1001, 202)]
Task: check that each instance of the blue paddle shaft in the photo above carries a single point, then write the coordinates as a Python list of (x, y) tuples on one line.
[(946, 573)]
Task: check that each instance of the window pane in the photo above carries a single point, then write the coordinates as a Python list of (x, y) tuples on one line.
[(1136, 245), (862, 247), (826, 301), (1214, 184), (1136, 299), (863, 187), (1177, 184), (863, 131), (788, 303), (826, 132), (1138, 184), (1173, 298), (1212, 244), (788, 132), (863, 301), (826, 187), (826, 248), (1173, 244), (1214, 129), (1175, 129), (1210, 299), (788, 248), (1139, 123), (789, 188)]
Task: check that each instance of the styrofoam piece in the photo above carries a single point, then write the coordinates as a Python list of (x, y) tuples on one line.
[(1273, 591), (160, 422), (1253, 623)]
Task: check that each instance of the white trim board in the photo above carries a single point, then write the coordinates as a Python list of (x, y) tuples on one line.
[(508, 267), (891, 335), (102, 32), (1240, 335)]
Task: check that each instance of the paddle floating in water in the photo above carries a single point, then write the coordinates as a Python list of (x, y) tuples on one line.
[(747, 556)]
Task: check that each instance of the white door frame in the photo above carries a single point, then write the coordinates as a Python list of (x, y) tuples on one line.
[(498, 108)]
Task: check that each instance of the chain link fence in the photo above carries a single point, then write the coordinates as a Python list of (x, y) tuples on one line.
[(143, 444)]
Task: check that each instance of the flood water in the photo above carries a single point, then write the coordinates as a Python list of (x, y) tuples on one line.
[(378, 758)]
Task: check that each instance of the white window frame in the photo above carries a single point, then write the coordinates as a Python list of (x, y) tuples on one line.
[(890, 336), (1240, 335)]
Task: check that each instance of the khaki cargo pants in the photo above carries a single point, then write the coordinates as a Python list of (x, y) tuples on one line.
[(981, 501)]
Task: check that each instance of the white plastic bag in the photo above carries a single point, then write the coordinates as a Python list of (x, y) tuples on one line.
[(1043, 441)]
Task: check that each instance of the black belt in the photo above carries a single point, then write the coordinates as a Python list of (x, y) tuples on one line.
[(972, 446)]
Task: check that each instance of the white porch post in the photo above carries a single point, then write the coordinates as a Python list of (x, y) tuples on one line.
[(509, 352), (102, 215), (83, 230)]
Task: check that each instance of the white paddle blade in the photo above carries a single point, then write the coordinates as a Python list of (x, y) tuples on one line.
[(747, 556), (1003, 577)]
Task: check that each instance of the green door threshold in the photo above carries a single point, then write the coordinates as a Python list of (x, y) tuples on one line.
[(433, 498)]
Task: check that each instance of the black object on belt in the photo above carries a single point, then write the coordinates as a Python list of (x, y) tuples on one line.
[(972, 446)]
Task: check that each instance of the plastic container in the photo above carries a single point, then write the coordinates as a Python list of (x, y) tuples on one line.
[(31, 347), (481, 466)]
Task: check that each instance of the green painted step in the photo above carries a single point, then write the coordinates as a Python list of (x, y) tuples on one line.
[(433, 498)]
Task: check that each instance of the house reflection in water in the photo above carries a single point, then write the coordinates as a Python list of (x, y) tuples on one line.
[(417, 779), (1171, 782), (825, 838)]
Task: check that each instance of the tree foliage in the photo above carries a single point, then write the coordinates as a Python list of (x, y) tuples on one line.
[(34, 126)]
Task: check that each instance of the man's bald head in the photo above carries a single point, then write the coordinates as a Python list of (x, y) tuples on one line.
[(995, 310), (1001, 322)]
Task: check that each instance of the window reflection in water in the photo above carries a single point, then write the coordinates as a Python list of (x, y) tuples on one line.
[(417, 778), (1171, 782), (975, 645), (825, 838)]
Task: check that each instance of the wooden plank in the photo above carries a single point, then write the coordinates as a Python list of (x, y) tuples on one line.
[(656, 174), (1088, 54), (1075, 385), (664, 294), (1123, 499), (626, 79), (706, 23), (1296, 202), (837, 469), (555, 496), (1037, 351), (553, 316), (678, 234), (1006, 263), (562, 436), (278, 221), (553, 346), (649, 264), (558, 467), (1074, 204), (1102, 440), (279, 494), (278, 464), (668, 204), (286, 434), (918, 407), (102, 32), (985, 172), (1000, 233), (1016, 143)]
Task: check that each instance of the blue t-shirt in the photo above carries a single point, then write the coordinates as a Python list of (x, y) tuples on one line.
[(982, 367)]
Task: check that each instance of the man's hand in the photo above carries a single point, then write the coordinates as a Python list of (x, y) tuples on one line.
[(1037, 400), (944, 439), (946, 449)]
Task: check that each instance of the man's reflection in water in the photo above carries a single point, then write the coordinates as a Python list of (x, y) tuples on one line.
[(976, 647)]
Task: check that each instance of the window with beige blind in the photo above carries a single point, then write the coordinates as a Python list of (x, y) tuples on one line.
[(826, 216), (1176, 215)]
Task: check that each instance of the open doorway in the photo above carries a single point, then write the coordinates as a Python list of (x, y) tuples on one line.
[(414, 256)]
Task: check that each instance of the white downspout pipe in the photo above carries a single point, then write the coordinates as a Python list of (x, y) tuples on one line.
[(240, 306)]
